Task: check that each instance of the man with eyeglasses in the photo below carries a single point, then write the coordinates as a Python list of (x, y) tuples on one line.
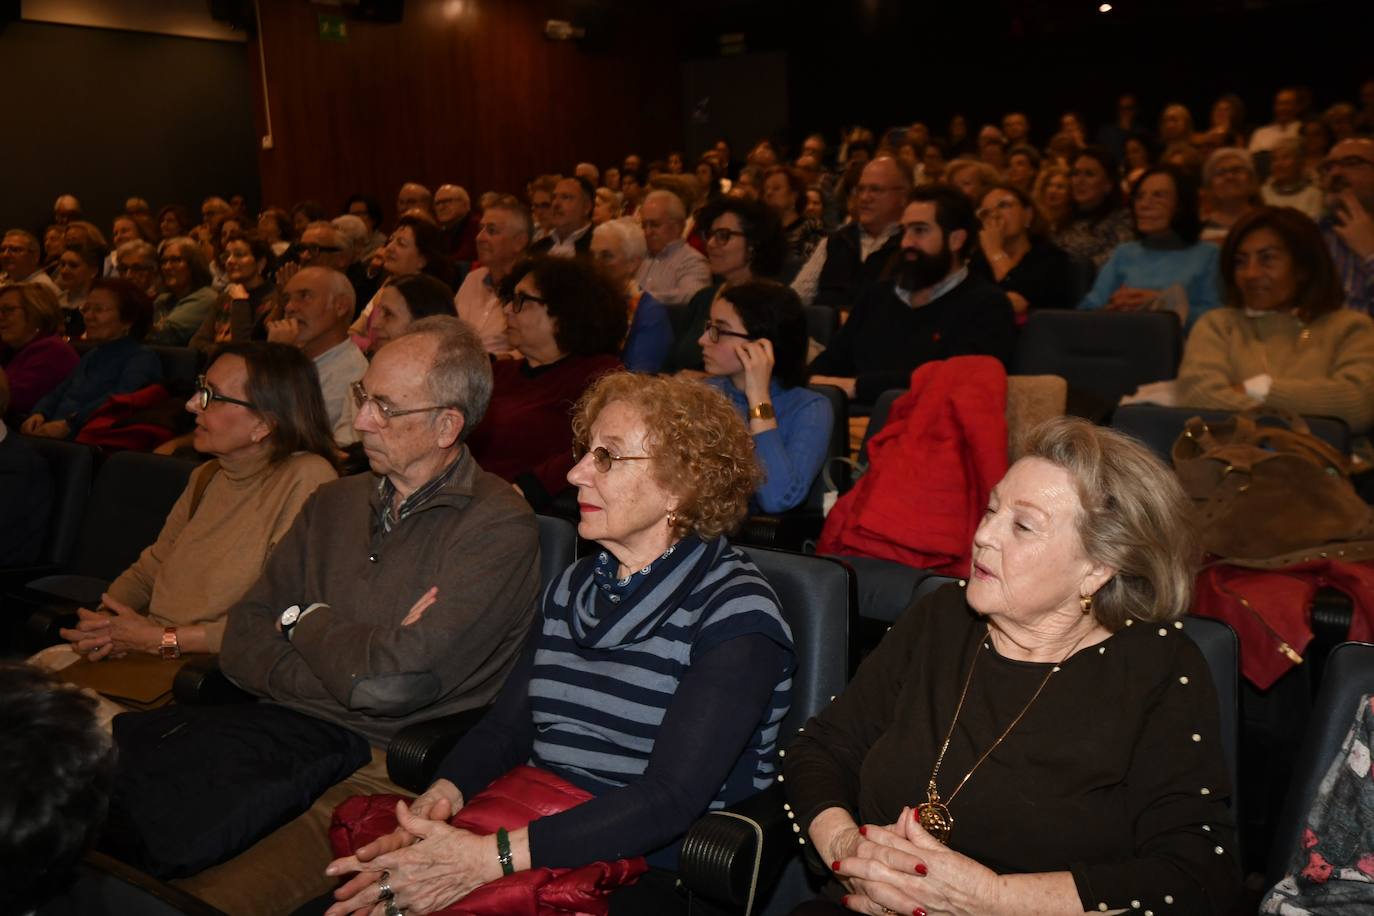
[(1348, 180), (856, 256), (673, 271), (319, 306), (21, 260), (136, 261), (398, 596), (570, 221), (453, 210), (503, 237)]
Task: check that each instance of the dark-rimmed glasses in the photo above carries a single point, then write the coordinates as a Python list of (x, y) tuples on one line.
[(602, 459), (723, 236), (205, 396), (385, 412), (1345, 162), (714, 332), (520, 299)]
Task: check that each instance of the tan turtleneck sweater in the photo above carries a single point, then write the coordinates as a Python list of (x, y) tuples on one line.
[(196, 569), (1325, 368)]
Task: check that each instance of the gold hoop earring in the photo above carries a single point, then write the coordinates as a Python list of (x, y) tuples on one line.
[(1086, 602)]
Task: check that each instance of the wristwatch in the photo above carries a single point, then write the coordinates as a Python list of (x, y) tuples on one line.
[(170, 647), (294, 615), (762, 411)]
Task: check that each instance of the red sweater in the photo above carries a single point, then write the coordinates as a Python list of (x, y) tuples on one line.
[(526, 436), (35, 369)]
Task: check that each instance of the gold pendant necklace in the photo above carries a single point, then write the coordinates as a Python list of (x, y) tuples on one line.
[(933, 812)]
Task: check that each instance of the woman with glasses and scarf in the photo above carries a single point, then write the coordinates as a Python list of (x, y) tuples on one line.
[(568, 322), (655, 680), (754, 349), (259, 412)]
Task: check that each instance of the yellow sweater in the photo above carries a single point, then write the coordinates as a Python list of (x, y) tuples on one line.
[(196, 569), (1325, 368)]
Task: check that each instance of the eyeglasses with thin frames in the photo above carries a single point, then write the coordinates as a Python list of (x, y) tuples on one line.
[(602, 459), (205, 396), (385, 413)]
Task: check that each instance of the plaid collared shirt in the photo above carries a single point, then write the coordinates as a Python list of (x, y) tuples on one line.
[(386, 491)]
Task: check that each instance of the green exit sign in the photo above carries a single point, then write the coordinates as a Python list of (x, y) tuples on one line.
[(333, 28)]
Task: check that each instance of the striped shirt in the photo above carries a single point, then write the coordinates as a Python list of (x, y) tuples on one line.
[(611, 655), (1356, 273)]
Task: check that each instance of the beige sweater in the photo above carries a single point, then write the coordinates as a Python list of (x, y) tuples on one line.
[(198, 568), (1322, 369)]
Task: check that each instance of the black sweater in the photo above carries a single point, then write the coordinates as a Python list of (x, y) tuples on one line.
[(885, 339), (1115, 774)]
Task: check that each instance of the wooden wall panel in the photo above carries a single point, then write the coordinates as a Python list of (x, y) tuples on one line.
[(480, 98)]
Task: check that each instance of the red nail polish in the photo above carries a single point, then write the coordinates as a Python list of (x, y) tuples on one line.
[(921, 869), (844, 901), (835, 866), (863, 831), (918, 912), (916, 815)]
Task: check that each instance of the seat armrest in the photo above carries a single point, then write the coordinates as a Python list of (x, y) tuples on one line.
[(201, 683), (416, 751), (733, 856)]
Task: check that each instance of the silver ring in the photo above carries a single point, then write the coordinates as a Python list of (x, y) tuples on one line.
[(384, 891), (393, 910)]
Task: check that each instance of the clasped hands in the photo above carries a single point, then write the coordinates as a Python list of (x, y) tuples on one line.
[(428, 864), (900, 868), (114, 629)]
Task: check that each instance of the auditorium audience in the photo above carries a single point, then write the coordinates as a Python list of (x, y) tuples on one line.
[(673, 271), (1052, 197), (318, 305), (630, 727), (248, 301), (972, 178), (1023, 166), (856, 256), (1284, 341), (1014, 253), (1285, 124), (568, 323), (784, 191), (258, 412), (78, 267), (117, 315), (974, 708), (174, 221), (618, 251), (1098, 222), (274, 226), (934, 308), (1175, 125), (569, 220), (188, 295), (1168, 268), (405, 300), (502, 241), (754, 350), (137, 262), (413, 587), (54, 788), (744, 242), (606, 206), (370, 212), (1232, 190), (1348, 180), (33, 354)]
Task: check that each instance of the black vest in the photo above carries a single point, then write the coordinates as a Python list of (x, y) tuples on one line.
[(845, 277)]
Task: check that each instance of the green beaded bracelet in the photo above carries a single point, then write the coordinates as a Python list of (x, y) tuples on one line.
[(503, 851)]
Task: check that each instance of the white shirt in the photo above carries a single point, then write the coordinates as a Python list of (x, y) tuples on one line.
[(1267, 137), (674, 274), (338, 368), (563, 247), (808, 279), (478, 304)]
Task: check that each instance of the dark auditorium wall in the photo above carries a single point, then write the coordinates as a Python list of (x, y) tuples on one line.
[(468, 91), (107, 114)]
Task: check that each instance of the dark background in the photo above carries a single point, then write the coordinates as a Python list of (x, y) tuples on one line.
[(471, 90)]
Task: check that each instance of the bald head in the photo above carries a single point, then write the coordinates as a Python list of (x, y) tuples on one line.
[(451, 204), (883, 187), (414, 196), (65, 209)]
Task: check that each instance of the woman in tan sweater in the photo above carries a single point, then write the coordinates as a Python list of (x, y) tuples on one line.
[(1285, 341), (260, 413)]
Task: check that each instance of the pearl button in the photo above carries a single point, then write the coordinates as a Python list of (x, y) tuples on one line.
[(1101, 650), (1183, 680), (1209, 830), (1163, 631), (1168, 898), (1135, 904), (796, 828), (1102, 907), (1206, 791), (1178, 624), (1220, 851), (1197, 737)]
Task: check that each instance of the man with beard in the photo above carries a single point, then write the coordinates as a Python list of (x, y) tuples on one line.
[(935, 309), (1348, 173)]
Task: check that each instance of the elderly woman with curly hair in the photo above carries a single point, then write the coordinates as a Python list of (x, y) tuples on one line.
[(1045, 740), (656, 678), (568, 322)]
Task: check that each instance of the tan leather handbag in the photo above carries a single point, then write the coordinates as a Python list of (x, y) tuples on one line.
[(1263, 491)]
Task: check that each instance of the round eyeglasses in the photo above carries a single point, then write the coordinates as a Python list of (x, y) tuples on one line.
[(602, 459), (205, 396)]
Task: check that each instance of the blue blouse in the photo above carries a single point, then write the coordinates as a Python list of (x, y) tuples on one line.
[(792, 454), (1134, 264), (117, 367), (651, 337)]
